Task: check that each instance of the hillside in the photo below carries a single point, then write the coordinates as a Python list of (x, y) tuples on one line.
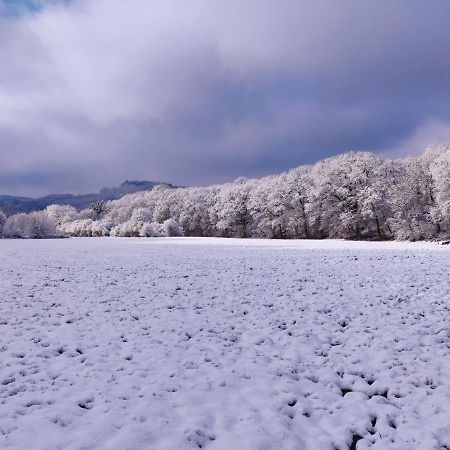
[(12, 204)]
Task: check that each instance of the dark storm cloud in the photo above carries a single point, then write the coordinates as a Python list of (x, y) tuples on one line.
[(93, 92)]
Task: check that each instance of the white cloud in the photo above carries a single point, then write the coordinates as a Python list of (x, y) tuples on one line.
[(430, 134)]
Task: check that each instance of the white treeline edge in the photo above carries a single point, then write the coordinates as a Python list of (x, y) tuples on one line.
[(356, 195)]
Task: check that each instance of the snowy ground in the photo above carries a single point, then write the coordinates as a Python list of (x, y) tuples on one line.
[(224, 344)]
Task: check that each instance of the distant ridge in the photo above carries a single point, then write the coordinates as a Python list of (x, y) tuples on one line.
[(12, 204)]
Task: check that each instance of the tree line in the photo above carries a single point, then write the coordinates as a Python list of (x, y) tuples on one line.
[(356, 195)]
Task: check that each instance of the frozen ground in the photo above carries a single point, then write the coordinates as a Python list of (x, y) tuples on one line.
[(224, 344)]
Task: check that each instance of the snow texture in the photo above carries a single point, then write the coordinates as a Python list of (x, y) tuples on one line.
[(188, 343)]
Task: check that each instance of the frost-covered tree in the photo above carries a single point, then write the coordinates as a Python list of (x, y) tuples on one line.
[(195, 211), (98, 209), (41, 225), (350, 196), (440, 180), (2, 221), (61, 213), (232, 209)]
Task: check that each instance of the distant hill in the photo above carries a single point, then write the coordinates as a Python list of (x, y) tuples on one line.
[(11, 204)]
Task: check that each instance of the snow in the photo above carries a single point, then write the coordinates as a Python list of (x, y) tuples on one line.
[(186, 343)]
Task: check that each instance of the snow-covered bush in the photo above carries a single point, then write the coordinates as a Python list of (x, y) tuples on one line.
[(79, 227), (150, 230), (172, 228), (35, 225)]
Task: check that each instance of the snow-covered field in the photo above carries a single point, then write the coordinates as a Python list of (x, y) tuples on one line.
[(224, 344)]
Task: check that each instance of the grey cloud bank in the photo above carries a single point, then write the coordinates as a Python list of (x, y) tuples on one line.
[(197, 92)]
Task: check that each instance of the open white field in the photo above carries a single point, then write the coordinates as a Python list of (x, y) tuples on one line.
[(224, 344)]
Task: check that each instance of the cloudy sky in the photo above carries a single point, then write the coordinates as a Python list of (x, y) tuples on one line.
[(93, 92)]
